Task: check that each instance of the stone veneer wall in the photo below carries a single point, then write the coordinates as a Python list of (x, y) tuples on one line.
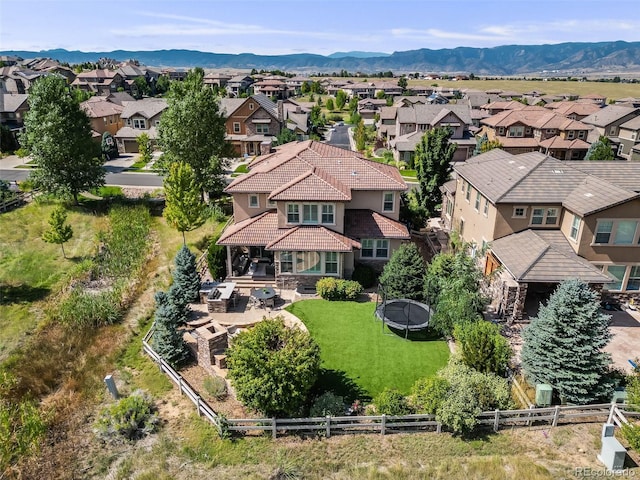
[(212, 339)]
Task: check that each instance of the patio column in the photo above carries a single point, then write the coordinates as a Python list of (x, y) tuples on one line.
[(229, 264), (518, 305)]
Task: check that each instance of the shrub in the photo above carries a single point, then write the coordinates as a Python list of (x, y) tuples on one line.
[(392, 402), (328, 404), (335, 117), (482, 346), (90, 309), (428, 394), (364, 275), (216, 259), (331, 288), (631, 433), (217, 213), (216, 387), (132, 418)]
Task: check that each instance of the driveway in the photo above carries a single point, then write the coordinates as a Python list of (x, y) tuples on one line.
[(625, 344), (340, 137)]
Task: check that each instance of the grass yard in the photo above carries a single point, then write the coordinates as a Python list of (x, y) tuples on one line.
[(360, 360)]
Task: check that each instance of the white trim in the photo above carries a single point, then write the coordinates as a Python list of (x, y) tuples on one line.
[(236, 130), (635, 242), (393, 202), (578, 228), (545, 215), (257, 197), (374, 248), (524, 211)]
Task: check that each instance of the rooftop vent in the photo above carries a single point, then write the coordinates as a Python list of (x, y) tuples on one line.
[(557, 171), (512, 161), (588, 194), (354, 173), (521, 167)]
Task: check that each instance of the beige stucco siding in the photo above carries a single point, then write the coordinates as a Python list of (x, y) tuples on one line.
[(241, 209), (372, 200)]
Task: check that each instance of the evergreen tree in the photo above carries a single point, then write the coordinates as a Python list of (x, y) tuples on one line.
[(58, 137), (482, 347), (184, 210), (109, 147), (341, 99), (185, 276), (479, 143), (433, 165), (563, 345), (59, 232), (167, 339), (403, 275)]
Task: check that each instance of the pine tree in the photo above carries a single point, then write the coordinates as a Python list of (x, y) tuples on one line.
[(167, 339), (185, 276), (403, 274), (59, 232), (563, 345)]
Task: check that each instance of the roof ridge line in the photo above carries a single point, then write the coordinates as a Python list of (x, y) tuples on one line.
[(523, 177), (544, 250)]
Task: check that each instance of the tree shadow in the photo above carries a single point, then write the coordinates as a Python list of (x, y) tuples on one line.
[(10, 294), (341, 384), (427, 335)]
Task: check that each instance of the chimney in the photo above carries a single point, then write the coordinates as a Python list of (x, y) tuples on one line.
[(280, 110), (265, 147)]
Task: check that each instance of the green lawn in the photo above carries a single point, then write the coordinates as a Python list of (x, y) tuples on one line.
[(359, 359)]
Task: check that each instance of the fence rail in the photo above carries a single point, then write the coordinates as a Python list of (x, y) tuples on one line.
[(385, 424), (18, 199)]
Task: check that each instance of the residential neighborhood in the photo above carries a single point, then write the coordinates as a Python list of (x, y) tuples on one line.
[(250, 269)]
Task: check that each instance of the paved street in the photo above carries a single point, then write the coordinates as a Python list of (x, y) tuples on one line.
[(340, 137)]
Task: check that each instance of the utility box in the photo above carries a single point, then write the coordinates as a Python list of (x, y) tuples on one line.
[(612, 454), (544, 393), (619, 396)]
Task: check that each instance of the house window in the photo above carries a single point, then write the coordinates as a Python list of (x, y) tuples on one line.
[(519, 212), (546, 216), (262, 128), (486, 207), (620, 149), (308, 262), (575, 227), (293, 213), (633, 135), (468, 195), (517, 131), (271, 203), (500, 130), (254, 201), (581, 134), (617, 273), (128, 122), (449, 207), (140, 123), (327, 214), (331, 262), (603, 231), (625, 232), (387, 203), (461, 227), (105, 120), (286, 262), (464, 185), (251, 105), (477, 204), (634, 278), (236, 127), (550, 131), (310, 213), (571, 134), (612, 130), (375, 248)]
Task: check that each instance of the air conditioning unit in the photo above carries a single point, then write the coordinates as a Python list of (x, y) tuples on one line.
[(544, 393)]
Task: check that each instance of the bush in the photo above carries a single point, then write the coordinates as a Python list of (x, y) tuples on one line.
[(482, 346), (392, 402), (328, 404), (132, 418), (335, 117), (428, 394), (331, 288), (216, 259), (631, 433), (364, 275), (216, 387), (90, 309)]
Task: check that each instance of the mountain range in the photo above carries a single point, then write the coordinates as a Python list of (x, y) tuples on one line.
[(616, 56)]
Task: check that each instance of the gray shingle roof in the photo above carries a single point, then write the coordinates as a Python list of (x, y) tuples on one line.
[(266, 103), (147, 107), (543, 256), (426, 114), (609, 114), (11, 102), (230, 105)]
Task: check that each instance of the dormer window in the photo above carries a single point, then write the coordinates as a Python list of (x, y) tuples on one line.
[(254, 201)]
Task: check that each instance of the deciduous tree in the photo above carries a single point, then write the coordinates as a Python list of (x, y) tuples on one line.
[(563, 345), (184, 208), (58, 137), (59, 231), (341, 99)]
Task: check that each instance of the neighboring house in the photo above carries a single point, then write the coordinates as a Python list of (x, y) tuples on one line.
[(545, 221), (607, 121), (368, 107), (13, 106), (533, 129), (141, 116), (130, 71), (119, 98), (16, 79), (239, 84), (9, 60), (629, 137), (574, 110), (595, 98), (274, 89), (251, 122), (311, 210), (218, 79), (386, 126), (413, 122), (100, 81), (295, 117), (104, 115)]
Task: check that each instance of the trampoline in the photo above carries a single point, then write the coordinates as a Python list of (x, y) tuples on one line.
[(404, 314)]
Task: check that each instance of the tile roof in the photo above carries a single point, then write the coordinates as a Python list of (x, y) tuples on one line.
[(569, 108), (312, 238), (258, 230), (11, 102), (230, 105), (352, 170), (369, 224), (558, 142), (147, 107), (609, 114), (313, 185), (129, 132), (625, 175), (633, 124), (428, 114), (97, 107), (543, 256)]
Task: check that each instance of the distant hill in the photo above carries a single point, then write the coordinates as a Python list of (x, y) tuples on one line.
[(504, 60), (358, 54)]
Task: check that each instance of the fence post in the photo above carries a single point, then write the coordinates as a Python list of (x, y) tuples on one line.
[(496, 421), (180, 385), (611, 412), (198, 405), (274, 431), (328, 426), (439, 428), (383, 425), (531, 407), (556, 414)]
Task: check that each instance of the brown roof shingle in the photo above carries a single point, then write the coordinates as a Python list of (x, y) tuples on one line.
[(369, 224), (312, 238)]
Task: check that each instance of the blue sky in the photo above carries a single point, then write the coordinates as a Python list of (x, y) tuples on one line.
[(323, 27)]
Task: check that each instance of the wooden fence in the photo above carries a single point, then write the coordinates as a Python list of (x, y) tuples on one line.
[(19, 199), (386, 424)]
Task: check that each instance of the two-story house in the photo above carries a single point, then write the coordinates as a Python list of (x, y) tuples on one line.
[(141, 116), (103, 115), (545, 220), (310, 210), (100, 81), (272, 88), (239, 84), (13, 107), (629, 137), (574, 110), (607, 121), (413, 122)]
